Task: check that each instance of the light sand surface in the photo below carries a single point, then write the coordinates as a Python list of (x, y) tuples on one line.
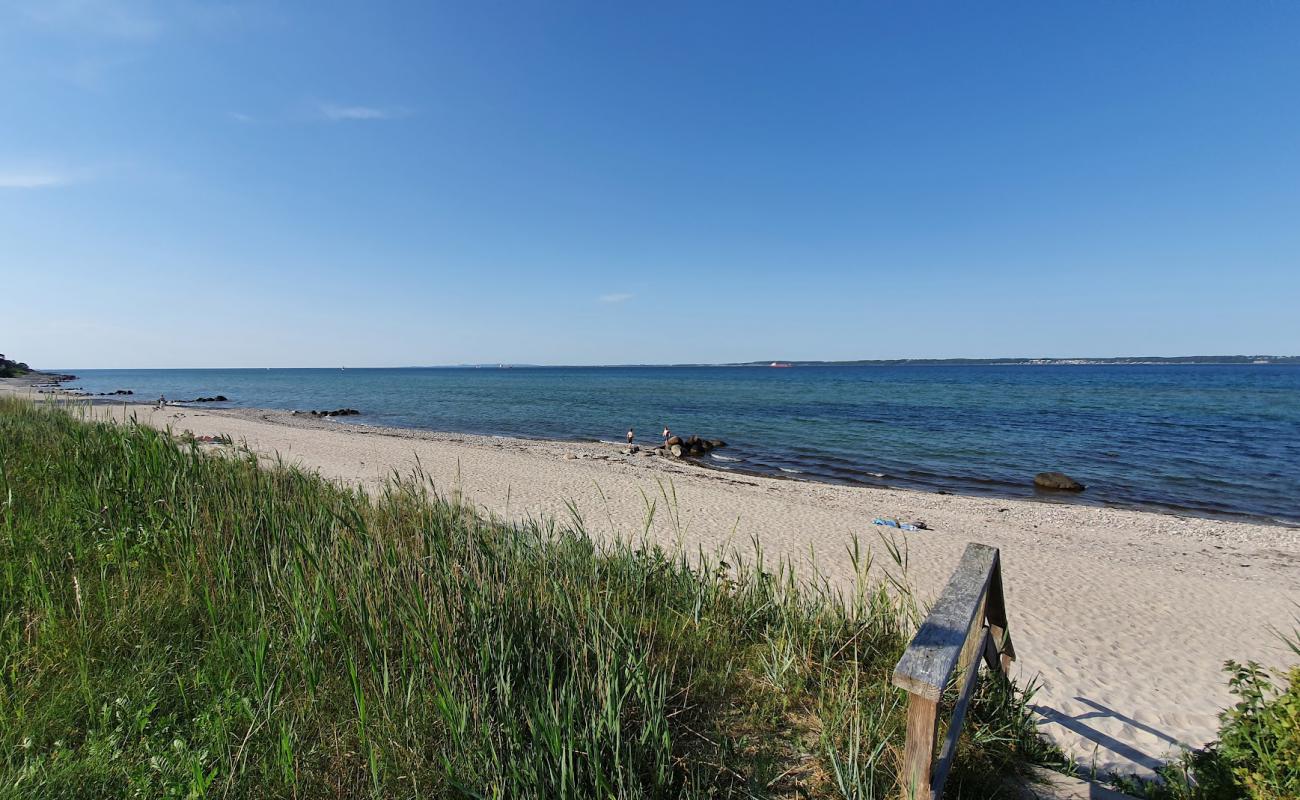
[(1125, 617)]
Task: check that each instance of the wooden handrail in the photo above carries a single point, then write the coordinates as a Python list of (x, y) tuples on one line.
[(967, 623)]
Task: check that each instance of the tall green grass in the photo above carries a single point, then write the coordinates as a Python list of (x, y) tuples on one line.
[(181, 623)]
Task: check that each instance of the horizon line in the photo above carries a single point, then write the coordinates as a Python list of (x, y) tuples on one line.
[(935, 361)]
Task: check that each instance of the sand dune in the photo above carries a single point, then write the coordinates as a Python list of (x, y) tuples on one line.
[(1124, 617)]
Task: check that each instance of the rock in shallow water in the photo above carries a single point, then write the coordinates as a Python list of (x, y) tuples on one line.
[(1057, 481)]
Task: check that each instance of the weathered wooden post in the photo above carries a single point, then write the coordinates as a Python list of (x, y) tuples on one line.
[(951, 641)]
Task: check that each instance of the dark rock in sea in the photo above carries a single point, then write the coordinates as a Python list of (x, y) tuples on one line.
[(122, 391), (716, 443), (1057, 481), (673, 440), (221, 398), (338, 412)]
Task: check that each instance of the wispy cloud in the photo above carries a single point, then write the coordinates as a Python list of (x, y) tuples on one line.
[(33, 179), (105, 18), (616, 297), (335, 112), (239, 116)]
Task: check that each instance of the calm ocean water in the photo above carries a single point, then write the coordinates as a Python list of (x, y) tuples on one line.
[(1211, 440)]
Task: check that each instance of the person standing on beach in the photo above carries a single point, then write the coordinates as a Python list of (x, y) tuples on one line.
[(630, 436), (667, 434)]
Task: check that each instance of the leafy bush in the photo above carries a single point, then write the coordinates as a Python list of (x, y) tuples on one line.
[(1260, 735), (1257, 755), (12, 369)]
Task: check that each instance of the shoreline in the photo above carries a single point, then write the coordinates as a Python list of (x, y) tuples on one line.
[(1124, 616), (999, 488), (1028, 495)]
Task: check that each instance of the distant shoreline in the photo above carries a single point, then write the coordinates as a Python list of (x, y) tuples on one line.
[(1124, 361)]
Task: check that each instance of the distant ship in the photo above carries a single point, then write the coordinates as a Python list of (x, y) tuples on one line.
[(780, 364)]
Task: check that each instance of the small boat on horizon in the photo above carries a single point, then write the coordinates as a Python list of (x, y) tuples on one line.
[(780, 364)]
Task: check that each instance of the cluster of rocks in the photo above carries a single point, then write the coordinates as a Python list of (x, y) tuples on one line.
[(338, 412), (694, 446), (119, 391), (1058, 482), (52, 381), (221, 398)]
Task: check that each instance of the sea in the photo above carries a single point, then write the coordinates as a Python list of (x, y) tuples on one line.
[(1218, 441)]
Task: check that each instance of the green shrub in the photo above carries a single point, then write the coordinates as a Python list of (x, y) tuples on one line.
[(1260, 735), (1257, 755)]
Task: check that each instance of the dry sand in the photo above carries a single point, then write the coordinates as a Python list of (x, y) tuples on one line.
[(1124, 617)]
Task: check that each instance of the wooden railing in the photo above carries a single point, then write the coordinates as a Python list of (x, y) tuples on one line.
[(969, 621)]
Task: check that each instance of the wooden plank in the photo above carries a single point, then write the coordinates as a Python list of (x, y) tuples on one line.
[(949, 751), (997, 605), (972, 650), (919, 751), (991, 655), (1008, 651), (932, 656), (997, 617)]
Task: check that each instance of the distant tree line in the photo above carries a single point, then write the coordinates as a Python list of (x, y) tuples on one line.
[(12, 369)]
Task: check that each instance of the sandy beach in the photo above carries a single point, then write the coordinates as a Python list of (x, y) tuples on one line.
[(1124, 617)]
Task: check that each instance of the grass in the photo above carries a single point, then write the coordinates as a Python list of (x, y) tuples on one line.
[(178, 621)]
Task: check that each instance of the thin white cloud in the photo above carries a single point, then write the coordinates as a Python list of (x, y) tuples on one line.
[(335, 112), (616, 297), (111, 19), (33, 179), (239, 116)]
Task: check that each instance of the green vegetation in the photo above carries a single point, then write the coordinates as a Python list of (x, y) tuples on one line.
[(177, 621), (1257, 755), (12, 369)]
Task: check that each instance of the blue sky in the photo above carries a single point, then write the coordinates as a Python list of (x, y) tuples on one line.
[(222, 184)]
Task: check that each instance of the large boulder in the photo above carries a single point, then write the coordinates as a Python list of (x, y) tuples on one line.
[(672, 441), (676, 449), (1058, 482)]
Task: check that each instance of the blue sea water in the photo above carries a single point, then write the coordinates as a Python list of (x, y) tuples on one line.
[(1207, 440)]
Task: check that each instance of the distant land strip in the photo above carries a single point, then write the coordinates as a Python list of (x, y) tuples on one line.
[(921, 362), (994, 362)]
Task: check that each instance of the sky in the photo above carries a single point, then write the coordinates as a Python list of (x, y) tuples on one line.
[(209, 184)]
